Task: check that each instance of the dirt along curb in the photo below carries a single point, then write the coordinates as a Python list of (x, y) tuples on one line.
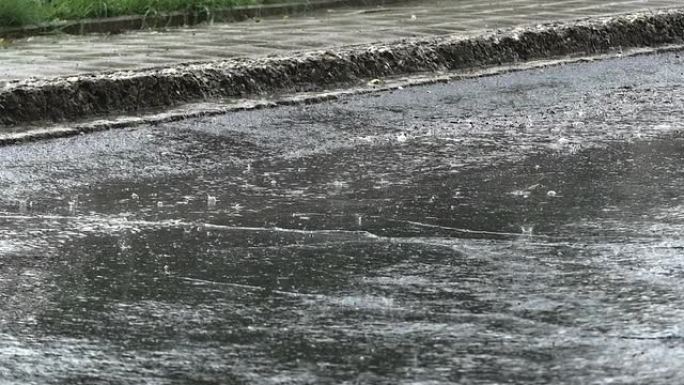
[(73, 98)]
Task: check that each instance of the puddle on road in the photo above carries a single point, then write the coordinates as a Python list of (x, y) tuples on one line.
[(405, 294)]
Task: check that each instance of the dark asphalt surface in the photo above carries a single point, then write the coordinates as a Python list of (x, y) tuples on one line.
[(521, 228)]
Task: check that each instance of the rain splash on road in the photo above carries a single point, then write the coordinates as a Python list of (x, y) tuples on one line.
[(520, 228)]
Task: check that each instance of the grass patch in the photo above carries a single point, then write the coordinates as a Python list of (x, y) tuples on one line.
[(78, 9), (23, 12)]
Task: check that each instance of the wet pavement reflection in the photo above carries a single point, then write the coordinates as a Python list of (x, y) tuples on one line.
[(521, 228)]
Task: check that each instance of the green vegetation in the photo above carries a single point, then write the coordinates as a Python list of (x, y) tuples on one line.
[(23, 12), (78, 9)]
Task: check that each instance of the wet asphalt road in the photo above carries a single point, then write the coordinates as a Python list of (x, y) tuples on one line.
[(521, 228)]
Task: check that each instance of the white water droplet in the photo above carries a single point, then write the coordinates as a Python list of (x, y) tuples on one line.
[(527, 230), (211, 200)]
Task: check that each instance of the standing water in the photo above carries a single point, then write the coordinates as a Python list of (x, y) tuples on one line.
[(522, 228)]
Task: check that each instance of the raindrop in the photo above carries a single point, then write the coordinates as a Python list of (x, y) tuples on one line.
[(123, 245), (527, 230), (135, 196), (520, 193), (211, 201), (160, 204), (551, 193)]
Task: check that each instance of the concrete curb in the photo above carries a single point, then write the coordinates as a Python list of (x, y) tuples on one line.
[(177, 19), (203, 110), (79, 97)]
